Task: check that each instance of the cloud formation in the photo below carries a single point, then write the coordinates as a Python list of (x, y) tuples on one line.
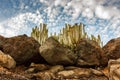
[(100, 16)]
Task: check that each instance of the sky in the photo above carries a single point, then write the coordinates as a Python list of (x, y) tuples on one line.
[(102, 17)]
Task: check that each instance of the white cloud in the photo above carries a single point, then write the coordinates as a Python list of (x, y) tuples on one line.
[(102, 13), (61, 3), (103, 20), (19, 24), (88, 13)]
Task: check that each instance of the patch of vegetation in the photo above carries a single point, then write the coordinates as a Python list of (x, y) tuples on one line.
[(68, 36)]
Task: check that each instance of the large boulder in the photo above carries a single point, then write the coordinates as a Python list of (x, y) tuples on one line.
[(22, 48), (54, 53), (90, 54), (112, 49), (6, 60)]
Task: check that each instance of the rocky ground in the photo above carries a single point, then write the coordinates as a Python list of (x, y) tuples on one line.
[(22, 58)]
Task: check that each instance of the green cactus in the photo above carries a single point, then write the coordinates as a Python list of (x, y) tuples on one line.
[(40, 33)]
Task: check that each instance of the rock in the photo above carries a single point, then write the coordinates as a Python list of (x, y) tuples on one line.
[(90, 54), (33, 68), (67, 73), (70, 67), (97, 72), (1, 41), (23, 49), (39, 67), (55, 54), (105, 70), (44, 76), (57, 68), (82, 74), (7, 75), (114, 69), (112, 49), (7, 61)]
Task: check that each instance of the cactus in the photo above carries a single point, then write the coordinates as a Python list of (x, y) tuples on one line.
[(69, 36), (40, 33)]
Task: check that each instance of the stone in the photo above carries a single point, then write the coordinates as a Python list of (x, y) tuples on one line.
[(46, 75), (33, 68), (22, 48), (5, 74), (55, 54), (56, 68), (114, 69), (39, 66), (82, 74), (70, 67), (1, 41), (112, 49), (90, 54), (7, 61)]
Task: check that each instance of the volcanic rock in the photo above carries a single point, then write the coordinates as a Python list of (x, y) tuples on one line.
[(90, 54), (56, 68), (7, 61), (5, 74), (36, 68), (54, 53), (112, 49), (114, 69), (82, 74), (23, 49)]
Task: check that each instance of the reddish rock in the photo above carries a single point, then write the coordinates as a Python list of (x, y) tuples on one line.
[(112, 49), (114, 69), (90, 54), (81, 74), (22, 48), (7, 61), (5, 74)]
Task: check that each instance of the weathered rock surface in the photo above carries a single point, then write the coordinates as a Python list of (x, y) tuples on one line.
[(8, 75), (57, 72), (1, 41), (54, 53), (90, 54), (6, 60), (56, 68), (25, 49), (114, 69), (112, 49), (22, 48), (82, 74), (37, 67)]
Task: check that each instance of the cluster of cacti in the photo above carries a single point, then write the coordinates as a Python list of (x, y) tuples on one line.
[(97, 39), (69, 36), (40, 33)]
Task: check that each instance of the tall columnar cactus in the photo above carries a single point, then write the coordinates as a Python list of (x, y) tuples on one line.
[(70, 35), (40, 33)]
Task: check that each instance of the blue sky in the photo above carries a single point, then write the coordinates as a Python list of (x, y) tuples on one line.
[(100, 16)]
